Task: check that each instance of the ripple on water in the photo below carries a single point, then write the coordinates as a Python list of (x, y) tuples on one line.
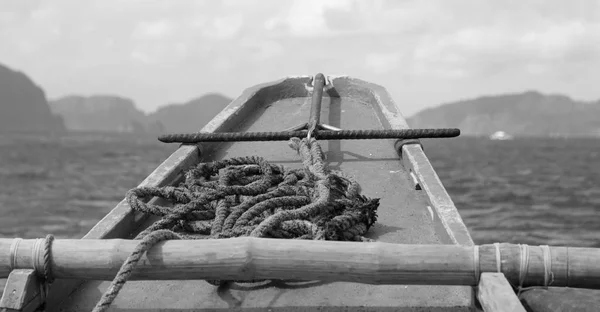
[(535, 191)]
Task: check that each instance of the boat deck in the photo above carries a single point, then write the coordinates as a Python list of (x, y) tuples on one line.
[(403, 217)]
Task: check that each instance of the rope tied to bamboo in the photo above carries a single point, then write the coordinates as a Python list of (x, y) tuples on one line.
[(524, 260), (248, 196), (41, 256)]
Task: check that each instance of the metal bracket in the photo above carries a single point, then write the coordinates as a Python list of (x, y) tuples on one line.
[(314, 121), (401, 143)]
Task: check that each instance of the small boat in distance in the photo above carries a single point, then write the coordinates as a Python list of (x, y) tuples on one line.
[(501, 136)]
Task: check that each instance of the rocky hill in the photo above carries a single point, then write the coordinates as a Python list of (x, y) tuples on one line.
[(105, 113), (23, 105), (109, 113), (523, 114), (192, 115)]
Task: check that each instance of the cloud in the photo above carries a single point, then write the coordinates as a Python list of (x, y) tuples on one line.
[(315, 19), (258, 50), (307, 17), (382, 62), (153, 30), (209, 42), (142, 57), (225, 26), (347, 18), (482, 49), (223, 63)]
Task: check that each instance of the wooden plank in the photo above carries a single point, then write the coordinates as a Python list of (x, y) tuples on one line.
[(555, 299), (257, 258), (566, 266), (250, 258), (451, 228), (22, 292), (121, 221), (496, 295), (458, 297), (449, 224)]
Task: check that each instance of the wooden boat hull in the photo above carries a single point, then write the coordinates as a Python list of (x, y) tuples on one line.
[(414, 209)]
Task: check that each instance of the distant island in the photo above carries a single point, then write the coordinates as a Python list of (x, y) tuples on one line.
[(190, 116), (23, 105), (24, 108), (100, 113), (522, 114), (111, 113)]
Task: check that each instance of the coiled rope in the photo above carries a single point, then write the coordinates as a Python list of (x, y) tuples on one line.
[(248, 196)]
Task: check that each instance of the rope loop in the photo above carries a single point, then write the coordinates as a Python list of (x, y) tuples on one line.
[(248, 196), (41, 259), (498, 258), (523, 266), (548, 274), (48, 276), (14, 248), (476, 264)]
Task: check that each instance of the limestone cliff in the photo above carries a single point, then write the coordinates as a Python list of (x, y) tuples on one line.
[(106, 113), (23, 105), (190, 116), (523, 114)]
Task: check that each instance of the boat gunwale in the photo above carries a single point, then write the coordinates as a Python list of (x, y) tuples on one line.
[(449, 224), (121, 221)]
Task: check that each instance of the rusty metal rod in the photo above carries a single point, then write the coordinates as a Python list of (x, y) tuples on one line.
[(315, 107), (321, 135)]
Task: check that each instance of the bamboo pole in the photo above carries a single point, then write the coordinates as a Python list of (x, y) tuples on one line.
[(247, 258)]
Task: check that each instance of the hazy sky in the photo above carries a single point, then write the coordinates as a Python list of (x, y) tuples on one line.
[(424, 52)]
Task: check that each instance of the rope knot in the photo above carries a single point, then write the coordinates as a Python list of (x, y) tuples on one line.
[(248, 196)]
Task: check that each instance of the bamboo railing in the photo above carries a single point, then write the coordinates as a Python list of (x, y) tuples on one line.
[(249, 258)]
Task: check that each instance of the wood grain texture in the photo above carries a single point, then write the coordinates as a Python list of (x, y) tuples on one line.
[(247, 258), (496, 295), (247, 109), (449, 224), (555, 299), (123, 222), (22, 292)]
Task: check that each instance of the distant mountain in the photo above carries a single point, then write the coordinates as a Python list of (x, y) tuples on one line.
[(106, 113), (23, 105), (190, 116), (111, 113), (525, 114)]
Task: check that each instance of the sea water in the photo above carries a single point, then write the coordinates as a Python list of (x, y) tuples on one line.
[(534, 191)]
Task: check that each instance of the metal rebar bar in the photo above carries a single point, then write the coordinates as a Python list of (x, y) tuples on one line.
[(321, 135), (317, 98)]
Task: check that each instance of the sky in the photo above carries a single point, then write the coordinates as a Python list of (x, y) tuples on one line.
[(425, 52)]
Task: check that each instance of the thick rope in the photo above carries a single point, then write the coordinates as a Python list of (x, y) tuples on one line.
[(41, 254), (548, 274), (524, 266), (524, 261), (14, 247), (48, 277), (127, 268), (247, 196), (498, 258), (476, 264)]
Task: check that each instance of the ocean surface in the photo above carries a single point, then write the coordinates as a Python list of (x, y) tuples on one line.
[(535, 191)]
